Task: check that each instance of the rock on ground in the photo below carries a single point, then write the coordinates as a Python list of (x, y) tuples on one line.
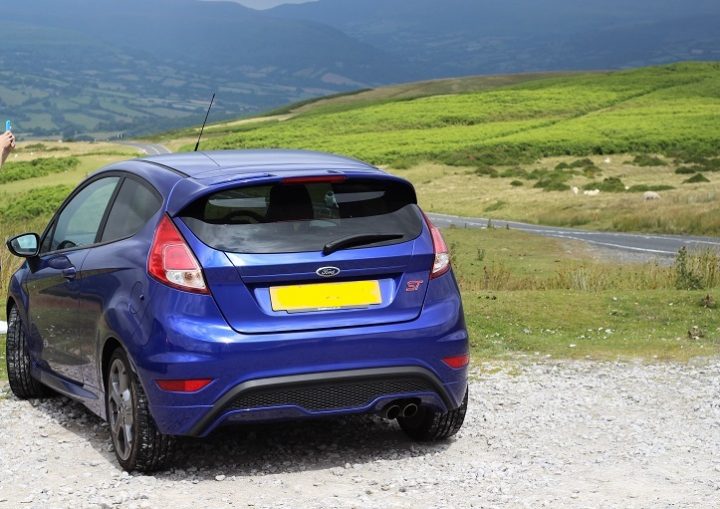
[(553, 434)]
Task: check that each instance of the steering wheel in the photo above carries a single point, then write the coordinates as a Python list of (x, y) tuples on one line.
[(66, 244), (244, 217)]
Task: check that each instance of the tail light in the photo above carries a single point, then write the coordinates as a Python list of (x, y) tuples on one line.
[(172, 262), (442, 256)]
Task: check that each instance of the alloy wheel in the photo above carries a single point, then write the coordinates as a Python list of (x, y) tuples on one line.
[(121, 405)]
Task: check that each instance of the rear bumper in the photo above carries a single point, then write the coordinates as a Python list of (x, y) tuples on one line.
[(290, 375), (318, 394)]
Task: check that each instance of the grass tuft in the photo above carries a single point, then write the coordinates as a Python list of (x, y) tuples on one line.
[(698, 178)]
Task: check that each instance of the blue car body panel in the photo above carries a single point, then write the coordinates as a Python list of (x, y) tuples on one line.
[(175, 334)]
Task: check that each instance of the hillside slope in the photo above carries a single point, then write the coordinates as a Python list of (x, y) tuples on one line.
[(658, 109)]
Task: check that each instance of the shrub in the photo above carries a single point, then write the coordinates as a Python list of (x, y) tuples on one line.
[(701, 165), (12, 172), (486, 171), (537, 174), (685, 277), (515, 171), (609, 185), (581, 163), (553, 182), (586, 165), (41, 147), (556, 186), (712, 165), (35, 203), (696, 179), (592, 172), (516, 183), (646, 160), (34, 147), (692, 157)]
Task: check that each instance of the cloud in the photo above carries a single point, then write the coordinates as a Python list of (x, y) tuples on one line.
[(266, 4)]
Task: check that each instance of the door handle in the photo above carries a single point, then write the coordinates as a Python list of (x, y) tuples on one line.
[(69, 273)]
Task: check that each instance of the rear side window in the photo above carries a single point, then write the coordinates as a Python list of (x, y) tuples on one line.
[(290, 218), (134, 206)]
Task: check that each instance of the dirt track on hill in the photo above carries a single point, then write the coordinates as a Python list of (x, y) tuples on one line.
[(552, 434)]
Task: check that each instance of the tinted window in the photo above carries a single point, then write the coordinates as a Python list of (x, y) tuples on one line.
[(79, 221), (134, 206), (288, 218)]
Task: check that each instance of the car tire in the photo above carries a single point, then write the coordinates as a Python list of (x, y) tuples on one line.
[(429, 425), (17, 355), (138, 444)]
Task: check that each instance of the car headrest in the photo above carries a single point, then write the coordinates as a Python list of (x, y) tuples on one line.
[(289, 203)]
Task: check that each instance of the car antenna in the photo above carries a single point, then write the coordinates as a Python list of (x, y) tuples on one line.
[(205, 122)]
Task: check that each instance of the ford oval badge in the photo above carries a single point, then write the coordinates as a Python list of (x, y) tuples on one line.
[(327, 271)]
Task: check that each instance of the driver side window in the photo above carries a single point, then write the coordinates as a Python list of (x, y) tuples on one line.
[(78, 223)]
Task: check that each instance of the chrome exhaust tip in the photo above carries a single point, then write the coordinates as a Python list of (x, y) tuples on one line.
[(391, 411), (410, 410)]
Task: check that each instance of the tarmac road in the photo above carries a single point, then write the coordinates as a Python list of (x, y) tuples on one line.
[(660, 245), (151, 149)]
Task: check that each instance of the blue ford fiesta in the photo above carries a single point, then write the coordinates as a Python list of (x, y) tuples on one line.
[(178, 293)]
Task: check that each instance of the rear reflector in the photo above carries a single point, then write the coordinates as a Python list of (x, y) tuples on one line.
[(457, 362), (183, 385), (329, 179), (171, 262)]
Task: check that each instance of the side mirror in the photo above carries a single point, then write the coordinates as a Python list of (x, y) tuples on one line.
[(26, 245)]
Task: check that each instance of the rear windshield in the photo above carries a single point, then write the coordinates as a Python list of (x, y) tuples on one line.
[(292, 218)]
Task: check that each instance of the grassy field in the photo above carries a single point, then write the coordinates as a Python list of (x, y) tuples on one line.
[(541, 296), (512, 193), (478, 146)]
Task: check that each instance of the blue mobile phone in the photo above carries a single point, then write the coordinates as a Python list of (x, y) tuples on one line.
[(8, 125)]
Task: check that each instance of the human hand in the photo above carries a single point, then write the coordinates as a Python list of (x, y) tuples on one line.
[(7, 141)]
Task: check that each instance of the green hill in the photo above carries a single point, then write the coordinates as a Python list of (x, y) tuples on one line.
[(667, 109)]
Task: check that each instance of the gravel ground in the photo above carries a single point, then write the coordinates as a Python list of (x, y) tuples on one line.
[(555, 434)]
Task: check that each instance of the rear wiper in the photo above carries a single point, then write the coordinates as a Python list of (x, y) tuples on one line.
[(357, 240)]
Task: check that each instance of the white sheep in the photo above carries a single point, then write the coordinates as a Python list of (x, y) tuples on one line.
[(594, 192), (650, 195), (575, 190)]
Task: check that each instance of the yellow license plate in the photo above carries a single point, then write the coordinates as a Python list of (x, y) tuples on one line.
[(325, 296)]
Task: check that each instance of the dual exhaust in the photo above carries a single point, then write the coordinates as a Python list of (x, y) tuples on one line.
[(400, 408)]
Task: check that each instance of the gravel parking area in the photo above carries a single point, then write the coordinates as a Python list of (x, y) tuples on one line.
[(552, 434)]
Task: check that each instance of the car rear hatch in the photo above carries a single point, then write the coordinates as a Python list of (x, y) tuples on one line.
[(309, 253)]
